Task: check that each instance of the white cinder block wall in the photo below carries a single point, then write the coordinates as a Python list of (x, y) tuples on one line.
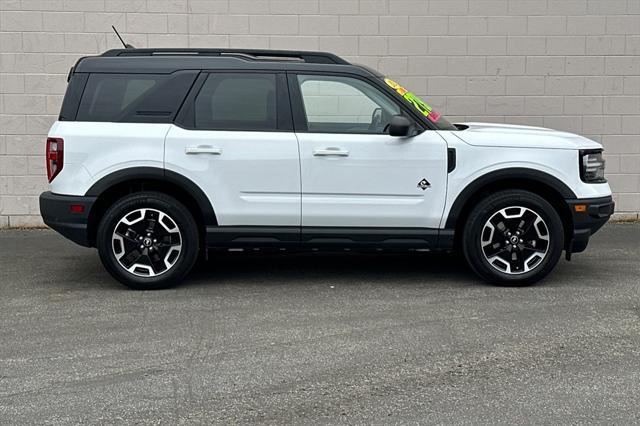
[(567, 64)]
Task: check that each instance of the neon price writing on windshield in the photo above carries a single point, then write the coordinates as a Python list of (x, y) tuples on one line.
[(418, 103)]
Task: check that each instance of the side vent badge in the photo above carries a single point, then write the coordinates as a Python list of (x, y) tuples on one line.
[(424, 184)]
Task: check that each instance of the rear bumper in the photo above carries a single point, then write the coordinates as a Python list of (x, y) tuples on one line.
[(596, 213), (57, 214)]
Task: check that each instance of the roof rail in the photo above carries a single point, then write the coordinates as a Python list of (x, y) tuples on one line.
[(250, 54)]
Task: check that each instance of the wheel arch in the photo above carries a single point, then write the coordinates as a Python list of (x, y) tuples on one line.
[(137, 179), (547, 186)]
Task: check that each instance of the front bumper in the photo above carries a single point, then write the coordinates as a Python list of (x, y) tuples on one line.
[(57, 213), (588, 220)]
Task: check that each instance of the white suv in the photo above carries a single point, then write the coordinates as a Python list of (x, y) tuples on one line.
[(161, 154)]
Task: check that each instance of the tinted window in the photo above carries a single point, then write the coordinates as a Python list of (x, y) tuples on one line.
[(72, 97), (134, 97), (335, 104), (237, 102)]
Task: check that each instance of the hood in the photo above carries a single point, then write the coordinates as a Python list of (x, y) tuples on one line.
[(507, 135)]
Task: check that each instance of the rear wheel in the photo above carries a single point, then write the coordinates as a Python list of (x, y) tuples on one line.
[(148, 241), (513, 237)]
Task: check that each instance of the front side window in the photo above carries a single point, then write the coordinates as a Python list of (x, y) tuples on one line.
[(241, 101), (337, 104)]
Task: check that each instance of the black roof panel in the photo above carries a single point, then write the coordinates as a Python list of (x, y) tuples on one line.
[(250, 54), (164, 61)]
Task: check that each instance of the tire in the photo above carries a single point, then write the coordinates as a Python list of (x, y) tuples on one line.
[(513, 238), (148, 241)]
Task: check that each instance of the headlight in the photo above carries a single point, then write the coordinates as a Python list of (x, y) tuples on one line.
[(592, 166)]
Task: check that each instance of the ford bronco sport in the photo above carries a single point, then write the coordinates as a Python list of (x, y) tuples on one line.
[(161, 154)]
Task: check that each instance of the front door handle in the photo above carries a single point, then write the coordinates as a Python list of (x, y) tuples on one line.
[(324, 152), (203, 149)]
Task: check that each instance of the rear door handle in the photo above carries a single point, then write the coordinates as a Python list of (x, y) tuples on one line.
[(324, 152), (203, 149)]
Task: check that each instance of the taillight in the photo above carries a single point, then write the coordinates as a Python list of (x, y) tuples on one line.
[(55, 157)]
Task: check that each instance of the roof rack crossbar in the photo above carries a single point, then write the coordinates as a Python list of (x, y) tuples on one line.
[(251, 54)]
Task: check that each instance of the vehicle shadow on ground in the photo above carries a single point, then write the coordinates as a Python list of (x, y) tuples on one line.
[(74, 266), (346, 268)]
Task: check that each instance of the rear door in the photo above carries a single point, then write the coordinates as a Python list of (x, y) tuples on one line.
[(234, 139)]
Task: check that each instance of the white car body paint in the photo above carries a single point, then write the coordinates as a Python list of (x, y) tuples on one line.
[(374, 183), (480, 150), (274, 178), (506, 135), (94, 150), (251, 178)]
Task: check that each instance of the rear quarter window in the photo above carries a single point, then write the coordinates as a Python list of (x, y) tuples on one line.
[(136, 98)]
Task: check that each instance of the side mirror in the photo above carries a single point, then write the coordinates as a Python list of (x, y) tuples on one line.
[(399, 126)]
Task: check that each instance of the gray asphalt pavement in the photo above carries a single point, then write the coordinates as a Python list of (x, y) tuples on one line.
[(319, 338)]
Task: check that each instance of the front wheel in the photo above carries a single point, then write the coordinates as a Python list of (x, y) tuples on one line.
[(513, 237), (148, 241)]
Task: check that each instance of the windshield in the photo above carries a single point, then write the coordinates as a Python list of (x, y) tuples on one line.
[(423, 108)]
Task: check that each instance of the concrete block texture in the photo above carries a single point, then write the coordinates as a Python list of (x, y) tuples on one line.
[(573, 65)]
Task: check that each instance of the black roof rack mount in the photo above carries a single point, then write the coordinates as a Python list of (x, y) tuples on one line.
[(249, 54)]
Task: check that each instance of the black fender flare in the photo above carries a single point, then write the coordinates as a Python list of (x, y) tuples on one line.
[(157, 174), (515, 173)]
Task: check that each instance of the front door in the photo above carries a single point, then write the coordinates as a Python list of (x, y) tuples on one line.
[(354, 174)]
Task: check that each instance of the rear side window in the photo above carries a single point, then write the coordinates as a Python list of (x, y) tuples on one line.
[(137, 98), (241, 101)]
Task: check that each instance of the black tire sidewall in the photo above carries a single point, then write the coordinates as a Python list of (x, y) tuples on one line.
[(166, 204), (490, 205)]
